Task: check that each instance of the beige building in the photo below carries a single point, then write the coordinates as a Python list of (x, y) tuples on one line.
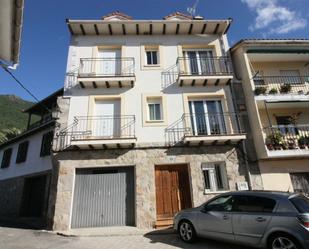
[(275, 80), (148, 124)]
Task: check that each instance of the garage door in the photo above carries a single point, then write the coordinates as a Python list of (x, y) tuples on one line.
[(103, 197)]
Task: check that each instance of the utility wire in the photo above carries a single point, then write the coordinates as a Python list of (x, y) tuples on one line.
[(23, 86)]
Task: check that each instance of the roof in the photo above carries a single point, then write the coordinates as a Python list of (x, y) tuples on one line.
[(28, 133), (148, 27), (268, 42), (117, 14), (177, 14), (11, 21), (47, 102)]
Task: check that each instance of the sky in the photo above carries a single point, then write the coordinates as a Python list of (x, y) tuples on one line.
[(45, 36)]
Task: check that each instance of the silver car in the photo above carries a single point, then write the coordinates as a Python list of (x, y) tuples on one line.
[(260, 219)]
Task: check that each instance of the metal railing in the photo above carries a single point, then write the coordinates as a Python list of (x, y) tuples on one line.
[(281, 84), (286, 137), (209, 66), (42, 121), (204, 124), (96, 128), (106, 67)]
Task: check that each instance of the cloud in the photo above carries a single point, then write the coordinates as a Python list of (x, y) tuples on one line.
[(273, 17)]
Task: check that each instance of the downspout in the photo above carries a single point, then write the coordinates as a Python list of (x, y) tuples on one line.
[(243, 143)]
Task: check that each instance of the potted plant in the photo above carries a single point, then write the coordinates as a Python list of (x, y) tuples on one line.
[(302, 142), (291, 144), (277, 141), (285, 88), (269, 144), (273, 91), (260, 90)]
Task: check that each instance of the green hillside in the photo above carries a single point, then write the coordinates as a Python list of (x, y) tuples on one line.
[(11, 115)]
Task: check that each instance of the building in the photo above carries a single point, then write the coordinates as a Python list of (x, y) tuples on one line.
[(274, 75), (148, 125), (26, 166), (11, 20)]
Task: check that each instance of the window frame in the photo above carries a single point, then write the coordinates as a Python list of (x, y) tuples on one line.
[(154, 102), (154, 98), (152, 51), (6, 158), (45, 151), (22, 152), (253, 196), (212, 169)]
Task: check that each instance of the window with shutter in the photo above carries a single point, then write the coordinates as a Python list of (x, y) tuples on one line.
[(22, 152), (6, 159), (46, 144)]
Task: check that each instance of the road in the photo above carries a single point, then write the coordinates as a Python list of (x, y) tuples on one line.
[(12, 238)]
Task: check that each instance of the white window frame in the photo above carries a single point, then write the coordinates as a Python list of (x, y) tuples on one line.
[(154, 101), (221, 125), (197, 54), (158, 57), (210, 167)]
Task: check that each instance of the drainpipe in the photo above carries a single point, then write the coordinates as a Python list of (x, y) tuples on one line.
[(243, 143)]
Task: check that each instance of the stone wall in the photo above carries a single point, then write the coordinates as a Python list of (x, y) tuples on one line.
[(144, 161), (11, 191)]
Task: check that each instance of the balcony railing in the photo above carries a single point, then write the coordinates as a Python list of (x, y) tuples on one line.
[(207, 66), (204, 124), (40, 122), (287, 137), (281, 85), (106, 67), (96, 128)]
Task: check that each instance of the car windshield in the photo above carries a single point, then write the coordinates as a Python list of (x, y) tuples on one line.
[(301, 203)]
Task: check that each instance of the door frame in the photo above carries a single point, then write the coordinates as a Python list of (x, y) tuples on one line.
[(187, 168)]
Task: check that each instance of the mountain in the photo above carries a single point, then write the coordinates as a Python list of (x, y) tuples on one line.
[(11, 114)]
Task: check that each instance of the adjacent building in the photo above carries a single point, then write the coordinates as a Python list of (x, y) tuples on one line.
[(148, 124), (26, 166), (275, 80)]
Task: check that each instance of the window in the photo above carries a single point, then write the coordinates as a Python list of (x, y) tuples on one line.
[(46, 144), (221, 204), (286, 125), (154, 109), (301, 203), (215, 177), (6, 158), (22, 152), (152, 57), (253, 204), (200, 62)]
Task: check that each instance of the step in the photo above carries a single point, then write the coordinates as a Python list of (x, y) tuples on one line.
[(164, 223)]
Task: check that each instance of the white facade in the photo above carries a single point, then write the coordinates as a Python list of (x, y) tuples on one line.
[(34, 162), (150, 81)]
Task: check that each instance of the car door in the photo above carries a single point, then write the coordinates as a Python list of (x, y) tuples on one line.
[(215, 219), (251, 216)]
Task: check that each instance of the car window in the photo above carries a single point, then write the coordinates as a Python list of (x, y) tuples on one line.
[(254, 204), (301, 203), (221, 204)]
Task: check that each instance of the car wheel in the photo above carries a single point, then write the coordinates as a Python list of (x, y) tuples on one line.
[(187, 232), (283, 241)]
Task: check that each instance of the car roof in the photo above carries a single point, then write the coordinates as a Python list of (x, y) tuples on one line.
[(263, 193)]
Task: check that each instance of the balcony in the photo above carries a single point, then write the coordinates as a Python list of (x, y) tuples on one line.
[(204, 71), (287, 140), (98, 132), (281, 87), (106, 72), (206, 128)]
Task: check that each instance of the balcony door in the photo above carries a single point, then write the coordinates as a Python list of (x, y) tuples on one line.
[(106, 122), (109, 63), (206, 117), (199, 62)]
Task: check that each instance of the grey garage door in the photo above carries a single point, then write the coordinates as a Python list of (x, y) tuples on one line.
[(103, 197)]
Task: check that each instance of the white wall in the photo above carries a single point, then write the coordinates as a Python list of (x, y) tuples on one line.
[(33, 164), (147, 81)]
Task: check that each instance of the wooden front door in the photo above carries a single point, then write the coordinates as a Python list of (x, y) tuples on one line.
[(172, 190)]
